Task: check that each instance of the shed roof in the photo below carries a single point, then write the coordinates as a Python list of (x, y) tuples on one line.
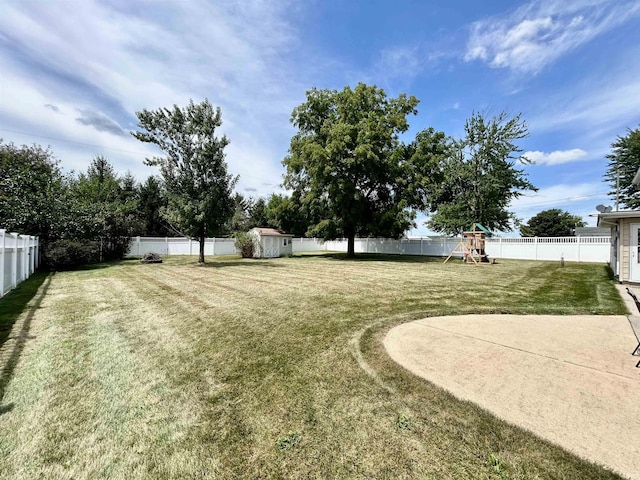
[(271, 232)]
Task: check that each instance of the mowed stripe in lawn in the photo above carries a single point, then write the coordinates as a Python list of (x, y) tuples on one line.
[(247, 369), (108, 413), (251, 353)]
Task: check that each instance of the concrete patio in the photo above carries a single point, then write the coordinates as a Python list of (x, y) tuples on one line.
[(569, 379)]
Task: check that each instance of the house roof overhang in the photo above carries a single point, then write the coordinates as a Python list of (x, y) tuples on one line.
[(611, 218)]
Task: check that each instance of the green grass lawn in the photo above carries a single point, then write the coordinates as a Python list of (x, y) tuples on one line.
[(264, 369)]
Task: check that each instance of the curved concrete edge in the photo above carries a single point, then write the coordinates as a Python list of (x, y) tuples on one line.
[(569, 379)]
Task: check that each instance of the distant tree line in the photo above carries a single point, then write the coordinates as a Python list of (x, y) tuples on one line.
[(348, 174), (90, 216)]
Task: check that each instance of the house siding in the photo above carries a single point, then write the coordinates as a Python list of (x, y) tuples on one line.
[(625, 249)]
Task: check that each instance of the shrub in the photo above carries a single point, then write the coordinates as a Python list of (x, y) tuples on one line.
[(67, 254), (245, 244)]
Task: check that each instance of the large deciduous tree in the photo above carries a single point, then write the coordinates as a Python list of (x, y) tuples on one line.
[(480, 178), (624, 162), (32, 191), (552, 223), (198, 186), (346, 165), (288, 214)]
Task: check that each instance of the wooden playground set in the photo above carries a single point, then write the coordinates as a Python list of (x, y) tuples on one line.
[(472, 246)]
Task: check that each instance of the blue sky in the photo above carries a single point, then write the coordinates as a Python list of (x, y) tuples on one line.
[(73, 74)]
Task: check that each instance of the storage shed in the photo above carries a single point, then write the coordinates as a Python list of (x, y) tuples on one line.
[(625, 243), (271, 243)]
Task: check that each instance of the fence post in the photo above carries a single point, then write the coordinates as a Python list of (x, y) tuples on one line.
[(31, 249), (190, 247), (578, 240), (25, 257), (138, 246), (14, 263), (2, 257), (535, 243)]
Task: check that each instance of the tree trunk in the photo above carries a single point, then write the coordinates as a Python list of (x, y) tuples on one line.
[(201, 254), (351, 251)]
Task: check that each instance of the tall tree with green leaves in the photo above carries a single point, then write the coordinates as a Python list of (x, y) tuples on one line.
[(480, 178), (198, 187), (624, 162), (287, 214), (108, 205), (346, 165), (552, 223), (151, 201), (32, 191)]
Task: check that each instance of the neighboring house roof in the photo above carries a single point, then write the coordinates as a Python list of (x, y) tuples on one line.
[(592, 232), (271, 232), (611, 218)]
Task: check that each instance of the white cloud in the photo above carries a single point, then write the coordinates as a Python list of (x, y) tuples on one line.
[(599, 106), (400, 62), (538, 33), (555, 158), (119, 57)]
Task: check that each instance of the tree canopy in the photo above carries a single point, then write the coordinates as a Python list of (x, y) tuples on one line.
[(478, 180), (109, 206), (31, 190), (345, 164), (199, 190), (624, 162), (552, 223)]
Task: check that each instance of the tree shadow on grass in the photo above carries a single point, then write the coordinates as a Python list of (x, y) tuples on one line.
[(259, 263), (378, 257), (24, 299)]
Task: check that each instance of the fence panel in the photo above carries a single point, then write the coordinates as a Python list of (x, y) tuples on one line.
[(180, 246), (308, 245), (572, 249), (19, 259)]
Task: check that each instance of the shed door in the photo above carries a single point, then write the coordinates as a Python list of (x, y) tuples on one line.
[(271, 247), (634, 254)]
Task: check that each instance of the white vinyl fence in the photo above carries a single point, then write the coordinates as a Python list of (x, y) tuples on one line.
[(181, 246), (18, 259), (572, 249)]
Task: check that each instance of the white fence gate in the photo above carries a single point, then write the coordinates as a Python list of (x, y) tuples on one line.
[(18, 259)]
